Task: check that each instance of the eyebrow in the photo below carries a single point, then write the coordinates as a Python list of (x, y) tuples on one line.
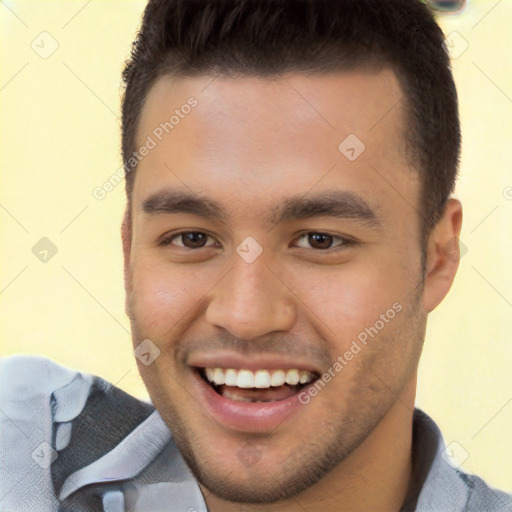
[(173, 201), (337, 204)]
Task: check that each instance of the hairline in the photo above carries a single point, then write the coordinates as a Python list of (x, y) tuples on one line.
[(370, 65)]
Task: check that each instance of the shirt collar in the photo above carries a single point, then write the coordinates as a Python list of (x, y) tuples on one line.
[(439, 485), (126, 460)]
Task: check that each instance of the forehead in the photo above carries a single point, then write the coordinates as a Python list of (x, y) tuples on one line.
[(249, 138)]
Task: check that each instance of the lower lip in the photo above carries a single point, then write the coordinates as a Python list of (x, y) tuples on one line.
[(246, 416)]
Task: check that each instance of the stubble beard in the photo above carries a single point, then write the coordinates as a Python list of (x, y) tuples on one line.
[(322, 451)]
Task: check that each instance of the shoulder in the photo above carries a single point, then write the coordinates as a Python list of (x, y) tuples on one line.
[(40, 393), (24, 377), (55, 421), (443, 485), (481, 496)]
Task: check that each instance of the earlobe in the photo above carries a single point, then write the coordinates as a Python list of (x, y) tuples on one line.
[(443, 255)]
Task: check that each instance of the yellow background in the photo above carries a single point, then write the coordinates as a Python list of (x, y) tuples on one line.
[(59, 132)]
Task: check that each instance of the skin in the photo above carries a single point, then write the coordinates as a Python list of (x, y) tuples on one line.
[(249, 145)]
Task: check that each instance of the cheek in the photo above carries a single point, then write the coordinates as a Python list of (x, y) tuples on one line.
[(161, 296), (350, 299)]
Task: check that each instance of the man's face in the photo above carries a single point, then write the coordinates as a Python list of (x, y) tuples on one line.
[(310, 253)]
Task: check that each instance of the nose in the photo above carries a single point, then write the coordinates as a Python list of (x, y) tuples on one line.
[(251, 301)]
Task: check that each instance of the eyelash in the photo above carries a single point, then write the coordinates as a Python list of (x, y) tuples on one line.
[(344, 241)]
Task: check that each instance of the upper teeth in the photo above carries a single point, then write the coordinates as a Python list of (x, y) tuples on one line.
[(258, 378)]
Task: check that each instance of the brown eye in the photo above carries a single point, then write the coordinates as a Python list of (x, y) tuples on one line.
[(187, 239), (194, 240), (320, 241)]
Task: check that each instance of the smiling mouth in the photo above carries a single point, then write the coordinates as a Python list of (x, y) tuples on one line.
[(250, 386)]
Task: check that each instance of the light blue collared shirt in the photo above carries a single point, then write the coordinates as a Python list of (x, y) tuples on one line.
[(72, 442)]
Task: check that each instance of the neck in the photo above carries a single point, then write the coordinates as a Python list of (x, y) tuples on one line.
[(375, 477)]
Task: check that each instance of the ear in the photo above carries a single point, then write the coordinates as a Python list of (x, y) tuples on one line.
[(443, 255), (126, 237)]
